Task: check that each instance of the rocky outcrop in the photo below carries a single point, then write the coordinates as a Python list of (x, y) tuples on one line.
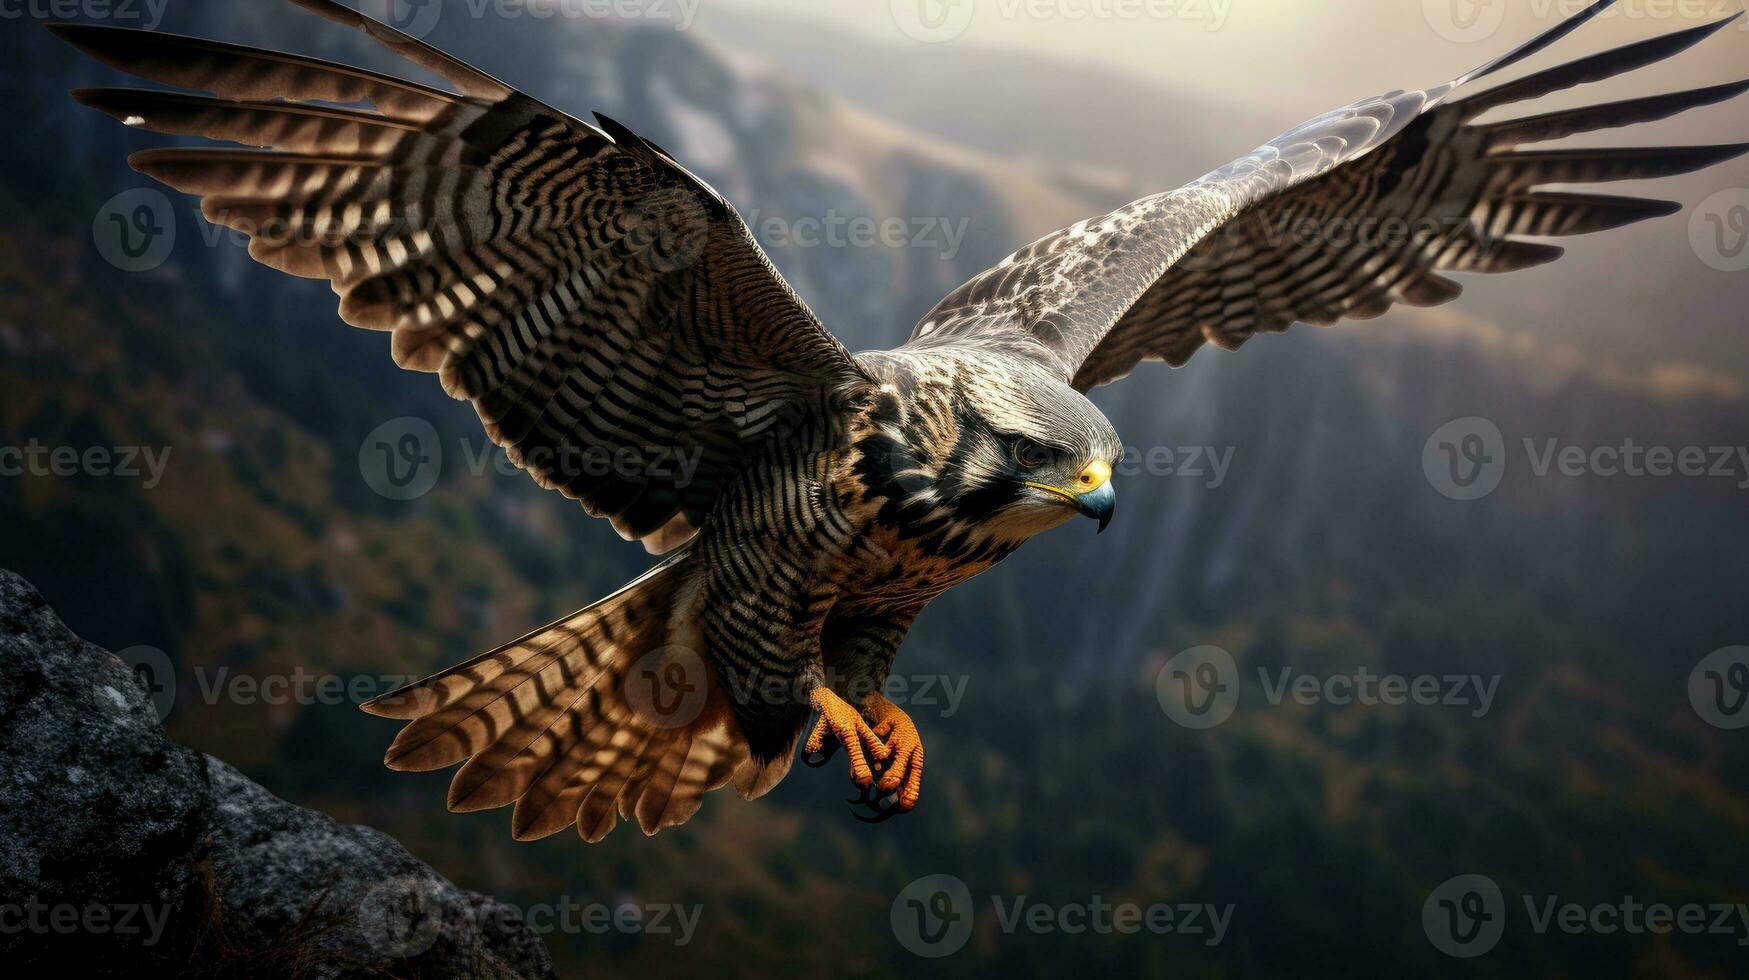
[(124, 852)]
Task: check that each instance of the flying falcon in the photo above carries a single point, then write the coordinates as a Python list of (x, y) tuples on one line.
[(589, 295)]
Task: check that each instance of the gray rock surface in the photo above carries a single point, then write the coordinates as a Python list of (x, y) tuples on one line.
[(124, 852)]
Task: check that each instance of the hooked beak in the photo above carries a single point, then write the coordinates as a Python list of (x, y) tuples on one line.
[(1098, 504), (1092, 494)]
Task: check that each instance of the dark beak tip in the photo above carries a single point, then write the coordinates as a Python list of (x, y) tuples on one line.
[(1099, 504)]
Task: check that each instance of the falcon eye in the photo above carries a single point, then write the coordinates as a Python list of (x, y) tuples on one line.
[(1030, 455)]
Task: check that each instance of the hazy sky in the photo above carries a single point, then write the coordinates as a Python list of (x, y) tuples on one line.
[(1259, 49)]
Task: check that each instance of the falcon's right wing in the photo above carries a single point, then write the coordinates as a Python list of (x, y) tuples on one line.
[(613, 323)]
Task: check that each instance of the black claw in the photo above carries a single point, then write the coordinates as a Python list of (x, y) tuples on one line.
[(866, 806), (879, 809)]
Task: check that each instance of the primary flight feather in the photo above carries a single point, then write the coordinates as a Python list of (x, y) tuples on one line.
[(594, 300)]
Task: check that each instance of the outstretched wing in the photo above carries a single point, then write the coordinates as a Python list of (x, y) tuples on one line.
[(1342, 216), (613, 323)]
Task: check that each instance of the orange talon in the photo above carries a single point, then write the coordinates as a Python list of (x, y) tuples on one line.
[(904, 743), (847, 725)]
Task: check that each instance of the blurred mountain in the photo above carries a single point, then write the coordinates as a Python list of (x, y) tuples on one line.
[(1100, 121), (1319, 547)]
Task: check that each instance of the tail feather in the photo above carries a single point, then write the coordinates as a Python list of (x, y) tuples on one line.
[(601, 715), (554, 798), (616, 764)]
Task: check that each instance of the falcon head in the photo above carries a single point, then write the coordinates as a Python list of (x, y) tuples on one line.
[(1001, 445)]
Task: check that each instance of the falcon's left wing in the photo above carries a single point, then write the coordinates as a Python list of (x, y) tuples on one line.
[(1342, 216)]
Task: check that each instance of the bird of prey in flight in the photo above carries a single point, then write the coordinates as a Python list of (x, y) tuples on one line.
[(590, 295)]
